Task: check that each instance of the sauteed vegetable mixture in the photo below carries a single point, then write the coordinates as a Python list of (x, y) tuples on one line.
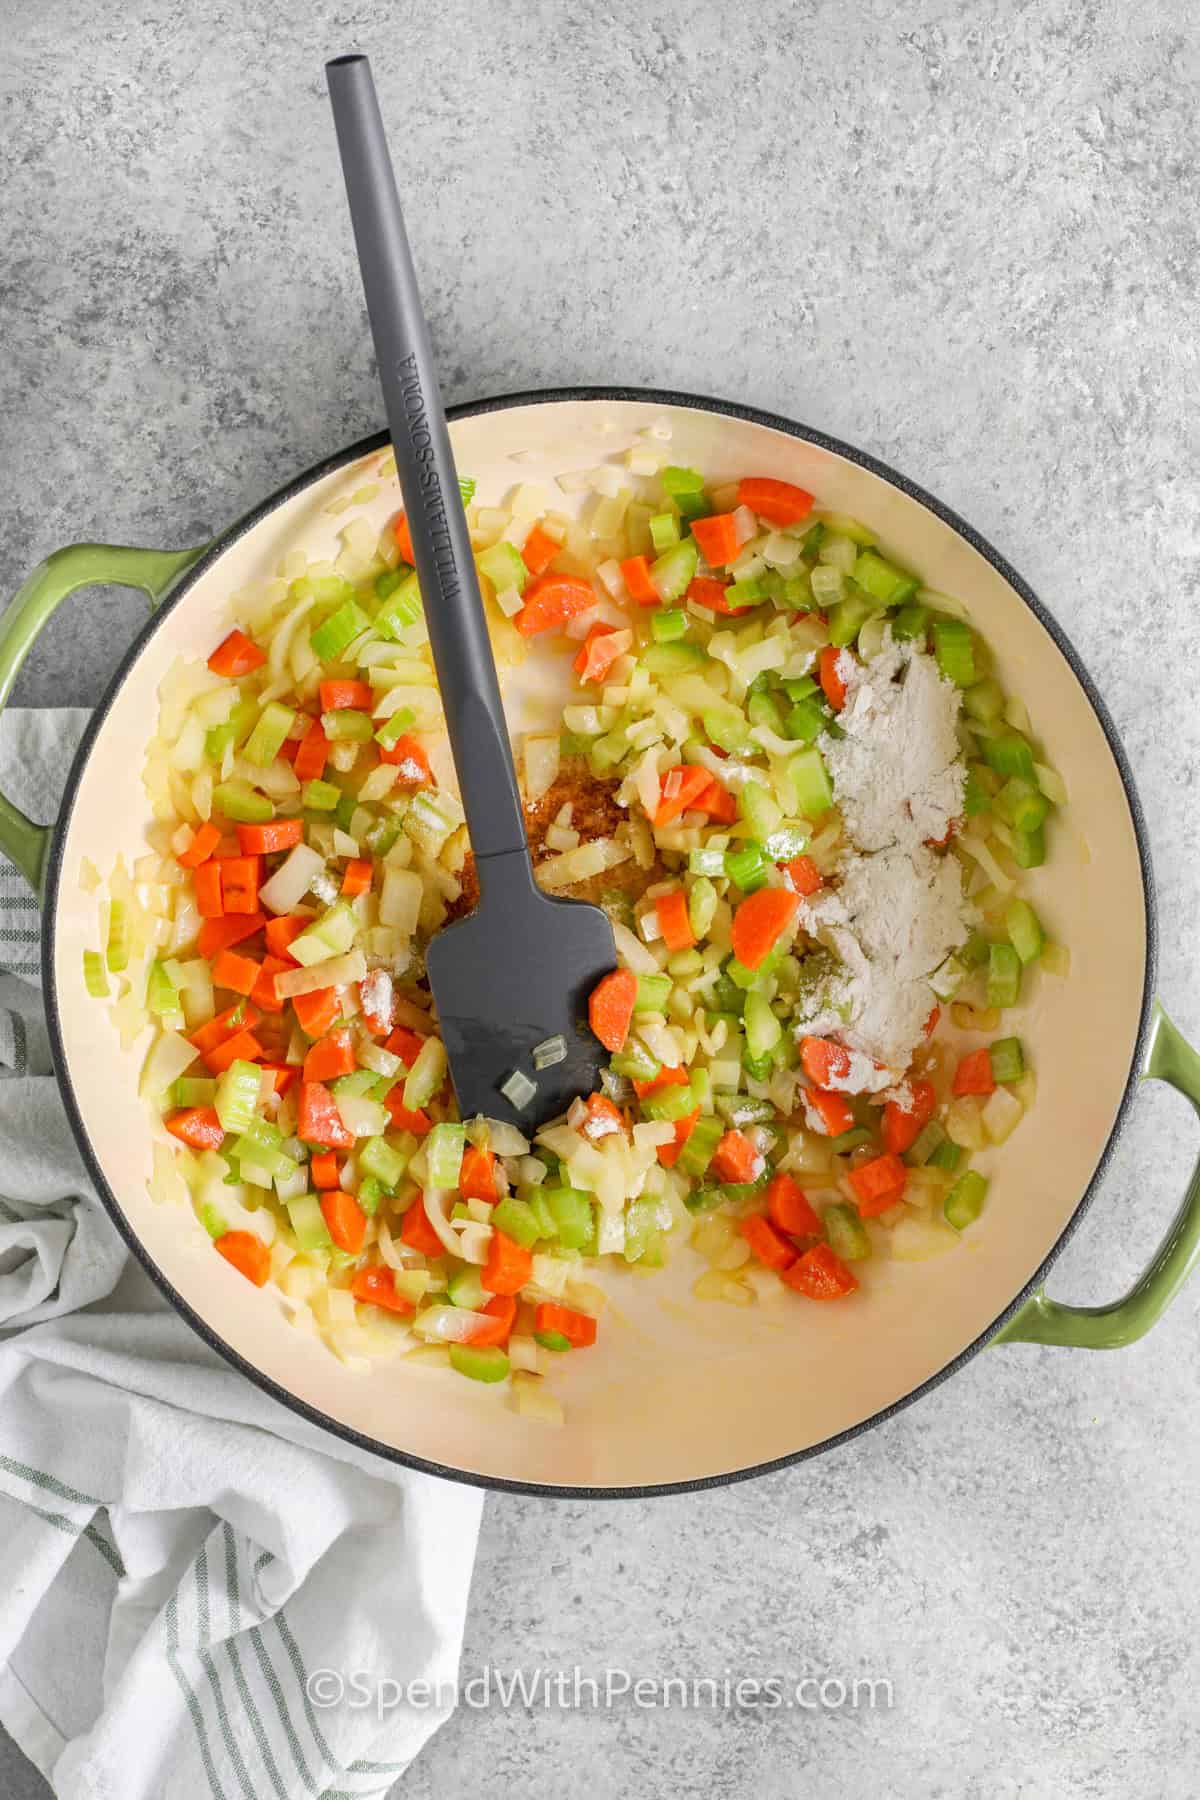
[(789, 773)]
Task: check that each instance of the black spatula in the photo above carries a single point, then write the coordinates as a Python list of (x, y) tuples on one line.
[(516, 973)]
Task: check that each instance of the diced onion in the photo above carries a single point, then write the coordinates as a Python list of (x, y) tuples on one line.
[(518, 1089), (291, 880), (337, 971), (550, 1051)]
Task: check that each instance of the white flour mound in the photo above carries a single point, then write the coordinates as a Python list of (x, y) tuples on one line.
[(898, 910)]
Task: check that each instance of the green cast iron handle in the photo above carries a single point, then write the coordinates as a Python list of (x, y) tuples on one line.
[(79, 565), (1170, 1058)]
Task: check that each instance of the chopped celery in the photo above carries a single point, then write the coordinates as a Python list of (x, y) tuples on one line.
[(255, 1147), (763, 1029), (193, 1090), (466, 488), (339, 630), (676, 481), (810, 779), (237, 1095), (947, 1155), (665, 660), (749, 592), (1024, 930), (390, 580), (162, 997), (653, 992), (964, 1202), (758, 1068), (267, 739), (518, 1221), (504, 567), (806, 721), (395, 726), (308, 1222), (912, 621), (668, 624), (571, 1210), (241, 803), (232, 731), (331, 935), (746, 867), (643, 1235), (426, 1075), (683, 963), (552, 1340), (727, 729), (348, 725), (401, 609), (672, 1102), (213, 1221), (1009, 754), (636, 1062), (954, 647), (984, 701), (828, 585), (465, 1288), (701, 1145), (1007, 1059), (788, 842), (378, 1158), (1029, 848), (706, 862), (320, 796), (854, 1139), (1021, 804), (976, 797), (702, 903), (847, 618), (543, 1218), (882, 579), (925, 1143), (974, 953), (763, 708), (488, 1364), (1004, 976), (370, 1195), (672, 572), (117, 953), (846, 1233), (739, 976), (664, 531)]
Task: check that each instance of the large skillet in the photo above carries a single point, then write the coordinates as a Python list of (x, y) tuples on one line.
[(682, 1393)]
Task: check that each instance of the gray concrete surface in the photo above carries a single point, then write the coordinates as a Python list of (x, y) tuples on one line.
[(963, 236)]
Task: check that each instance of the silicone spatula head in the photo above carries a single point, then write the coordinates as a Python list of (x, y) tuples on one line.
[(515, 974)]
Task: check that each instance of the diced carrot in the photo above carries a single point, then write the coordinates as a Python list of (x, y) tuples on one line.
[(247, 1253), (245, 1047), (500, 1313), (539, 551), (324, 1169), (227, 847), (820, 1275), (833, 1110), (206, 880), (337, 696), (356, 878), (264, 840), (735, 1158), (477, 1175), (318, 1120), (508, 1267), (418, 1122), (930, 1025), (901, 1126), (346, 1220), (672, 913), (331, 1057), (282, 1074), (610, 1008), (668, 1076), (221, 934), (198, 1126), (552, 601), (974, 1074), (773, 1251), (668, 1154), (403, 537), (377, 1287), (603, 645), (804, 874), (205, 839), (717, 802), (310, 759), (823, 1062), (681, 791), (878, 1184), (708, 592), (240, 877), (776, 501), (236, 655), (264, 993), (280, 932), (832, 684), (411, 759), (789, 1209), (237, 973), (578, 1328), (760, 920), (603, 1118), (417, 1232), (227, 1024), (718, 539), (316, 1012), (405, 1044), (638, 585)]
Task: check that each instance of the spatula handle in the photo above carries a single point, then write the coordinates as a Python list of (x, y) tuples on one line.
[(425, 463)]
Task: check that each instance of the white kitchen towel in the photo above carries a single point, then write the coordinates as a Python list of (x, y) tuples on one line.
[(189, 1573)]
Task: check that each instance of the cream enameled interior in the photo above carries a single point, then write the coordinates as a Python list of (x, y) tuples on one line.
[(678, 1389)]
